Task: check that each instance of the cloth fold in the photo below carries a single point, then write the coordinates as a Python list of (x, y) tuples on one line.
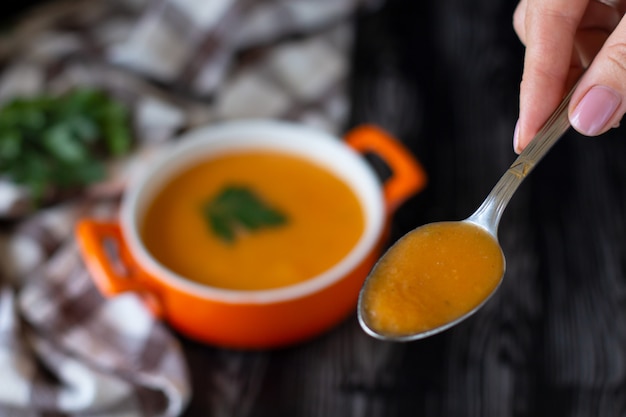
[(64, 348), (177, 64)]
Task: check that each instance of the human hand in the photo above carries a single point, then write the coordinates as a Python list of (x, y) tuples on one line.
[(562, 38)]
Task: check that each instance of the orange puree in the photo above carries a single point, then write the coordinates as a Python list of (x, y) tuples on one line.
[(432, 276), (324, 221)]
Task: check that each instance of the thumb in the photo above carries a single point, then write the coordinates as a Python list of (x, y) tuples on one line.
[(598, 103)]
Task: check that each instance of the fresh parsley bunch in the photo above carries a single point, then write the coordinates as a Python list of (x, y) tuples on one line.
[(59, 142)]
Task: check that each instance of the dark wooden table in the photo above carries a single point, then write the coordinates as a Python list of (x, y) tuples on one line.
[(443, 76)]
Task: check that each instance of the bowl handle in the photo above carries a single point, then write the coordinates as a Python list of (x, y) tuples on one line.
[(111, 265), (407, 174)]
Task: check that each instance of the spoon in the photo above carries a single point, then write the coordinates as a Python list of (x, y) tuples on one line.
[(391, 295)]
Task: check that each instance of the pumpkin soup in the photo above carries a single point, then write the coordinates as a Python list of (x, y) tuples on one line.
[(303, 220), (432, 276)]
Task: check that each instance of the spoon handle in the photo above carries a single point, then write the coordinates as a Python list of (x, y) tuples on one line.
[(489, 213)]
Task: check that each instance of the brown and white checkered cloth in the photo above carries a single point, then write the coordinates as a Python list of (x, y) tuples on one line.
[(178, 64)]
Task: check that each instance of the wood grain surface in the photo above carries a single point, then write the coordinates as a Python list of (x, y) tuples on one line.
[(443, 76)]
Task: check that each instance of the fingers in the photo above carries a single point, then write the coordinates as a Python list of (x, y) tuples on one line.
[(519, 17), (595, 27), (548, 28), (598, 103)]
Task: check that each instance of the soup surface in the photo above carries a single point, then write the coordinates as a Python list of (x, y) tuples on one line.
[(323, 222), (430, 277)]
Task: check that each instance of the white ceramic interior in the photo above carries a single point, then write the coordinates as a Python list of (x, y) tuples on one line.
[(319, 147)]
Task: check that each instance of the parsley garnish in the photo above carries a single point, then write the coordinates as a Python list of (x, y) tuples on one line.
[(60, 141), (237, 209)]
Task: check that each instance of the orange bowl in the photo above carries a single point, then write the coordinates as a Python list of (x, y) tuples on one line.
[(254, 319)]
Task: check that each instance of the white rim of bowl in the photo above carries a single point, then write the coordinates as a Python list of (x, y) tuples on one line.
[(144, 185)]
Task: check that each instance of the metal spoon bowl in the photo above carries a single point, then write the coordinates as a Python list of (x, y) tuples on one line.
[(487, 216)]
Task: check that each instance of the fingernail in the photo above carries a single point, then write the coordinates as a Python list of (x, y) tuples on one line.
[(516, 137), (595, 110)]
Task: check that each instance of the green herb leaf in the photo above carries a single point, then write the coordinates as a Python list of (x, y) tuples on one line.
[(237, 209), (62, 144)]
